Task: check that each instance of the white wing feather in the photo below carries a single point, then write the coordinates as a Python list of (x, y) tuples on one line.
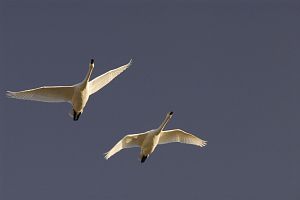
[(102, 80), (129, 141), (45, 94), (181, 136)]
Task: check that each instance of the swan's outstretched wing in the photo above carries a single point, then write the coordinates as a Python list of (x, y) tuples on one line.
[(133, 140), (181, 136), (45, 94), (102, 80)]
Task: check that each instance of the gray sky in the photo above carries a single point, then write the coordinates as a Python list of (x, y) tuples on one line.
[(229, 71)]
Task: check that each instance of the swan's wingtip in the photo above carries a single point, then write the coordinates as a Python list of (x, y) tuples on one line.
[(106, 156), (92, 61), (130, 62), (9, 94), (171, 113)]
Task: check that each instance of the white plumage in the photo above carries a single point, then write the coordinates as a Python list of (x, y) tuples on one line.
[(149, 140), (77, 94)]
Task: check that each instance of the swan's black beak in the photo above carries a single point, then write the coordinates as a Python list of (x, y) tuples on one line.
[(144, 159), (92, 61), (171, 113)]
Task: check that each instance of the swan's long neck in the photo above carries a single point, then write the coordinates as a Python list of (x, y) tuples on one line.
[(164, 123), (88, 75)]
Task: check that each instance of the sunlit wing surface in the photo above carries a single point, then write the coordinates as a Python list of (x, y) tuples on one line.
[(102, 80), (45, 94), (133, 140), (181, 136)]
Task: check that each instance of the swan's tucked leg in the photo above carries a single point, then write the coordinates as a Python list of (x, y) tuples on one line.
[(74, 115), (144, 158), (78, 115)]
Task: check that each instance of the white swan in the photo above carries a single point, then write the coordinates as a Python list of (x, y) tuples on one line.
[(77, 94), (149, 140)]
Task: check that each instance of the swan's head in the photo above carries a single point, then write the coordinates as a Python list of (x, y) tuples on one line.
[(169, 115), (92, 63)]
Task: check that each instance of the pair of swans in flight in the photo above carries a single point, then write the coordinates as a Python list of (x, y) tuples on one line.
[(77, 95)]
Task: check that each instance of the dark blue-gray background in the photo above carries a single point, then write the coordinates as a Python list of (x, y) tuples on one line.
[(229, 71)]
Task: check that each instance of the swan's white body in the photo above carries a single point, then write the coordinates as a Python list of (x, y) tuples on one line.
[(149, 140), (77, 94)]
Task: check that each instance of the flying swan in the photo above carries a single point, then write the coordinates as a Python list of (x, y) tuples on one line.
[(149, 140), (77, 94)]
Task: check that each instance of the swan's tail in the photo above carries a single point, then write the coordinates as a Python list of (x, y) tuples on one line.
[(71, 114)]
